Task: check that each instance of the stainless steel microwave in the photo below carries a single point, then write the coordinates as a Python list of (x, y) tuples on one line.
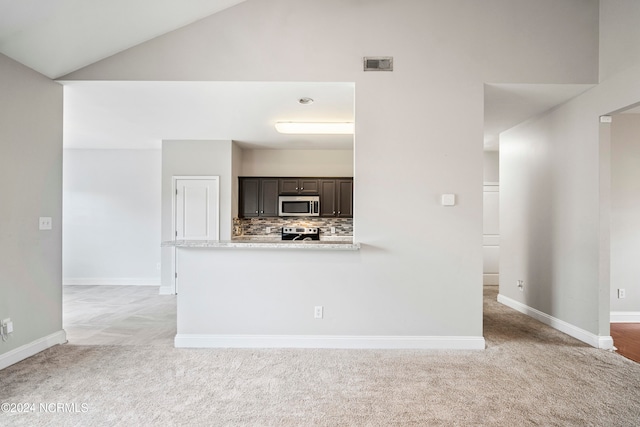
[(299, 206)]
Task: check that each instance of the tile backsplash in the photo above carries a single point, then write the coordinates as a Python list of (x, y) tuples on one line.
[(258, 226)]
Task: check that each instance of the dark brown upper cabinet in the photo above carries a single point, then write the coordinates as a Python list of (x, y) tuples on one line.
[(293, 186), (258, 197), (336, 197), (345, 198)]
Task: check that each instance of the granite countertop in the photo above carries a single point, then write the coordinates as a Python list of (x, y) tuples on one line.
[(252, 243)]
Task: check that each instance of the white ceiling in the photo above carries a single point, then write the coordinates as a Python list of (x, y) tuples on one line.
[(56, 37), (141, 114), (506, 105)]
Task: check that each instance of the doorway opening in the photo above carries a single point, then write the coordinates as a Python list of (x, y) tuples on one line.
[(622, 134)]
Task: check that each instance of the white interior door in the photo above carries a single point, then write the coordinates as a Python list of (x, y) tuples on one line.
[(491, 238), (196, 211)]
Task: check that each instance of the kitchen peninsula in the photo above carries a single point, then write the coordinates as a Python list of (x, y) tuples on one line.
[(260, 292), (335, 245)]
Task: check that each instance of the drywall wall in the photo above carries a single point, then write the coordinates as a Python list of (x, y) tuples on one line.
[(408, 144), (620, 32), (194, 158), (31, 187), (297, 163), (555, 205), (111, 232), (625, 212), (549, 216)]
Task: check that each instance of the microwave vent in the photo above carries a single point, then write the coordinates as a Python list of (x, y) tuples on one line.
[(378, 63)]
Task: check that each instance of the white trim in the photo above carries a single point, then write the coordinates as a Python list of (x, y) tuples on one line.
[(625, 317), (18, 354), (111, 281), (166, 290), (329, 341), (598, 341)]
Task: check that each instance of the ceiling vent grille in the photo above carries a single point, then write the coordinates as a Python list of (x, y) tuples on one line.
[(378, 63)]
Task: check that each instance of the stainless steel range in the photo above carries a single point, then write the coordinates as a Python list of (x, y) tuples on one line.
[(300, 233)]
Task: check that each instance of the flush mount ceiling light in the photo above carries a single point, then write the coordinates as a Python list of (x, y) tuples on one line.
[(325, 128), (305, 101)]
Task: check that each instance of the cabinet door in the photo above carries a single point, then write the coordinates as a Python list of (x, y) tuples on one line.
[(289, 186), (269, 197), (345, 198), (250, 197), (308, 186), (328, 197)]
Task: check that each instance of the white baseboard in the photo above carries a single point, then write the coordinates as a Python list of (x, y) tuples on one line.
[(18, 354), (329, 341), (625, 317), (111, 281), (597, 341), (166, 290)]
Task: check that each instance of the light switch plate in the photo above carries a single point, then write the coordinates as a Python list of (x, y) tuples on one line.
[(45, 223), (448, 199)]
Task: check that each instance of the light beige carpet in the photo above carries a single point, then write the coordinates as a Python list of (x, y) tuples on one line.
[(528, 375)]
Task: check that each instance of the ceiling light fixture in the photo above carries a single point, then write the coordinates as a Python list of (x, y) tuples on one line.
[(308, 128)]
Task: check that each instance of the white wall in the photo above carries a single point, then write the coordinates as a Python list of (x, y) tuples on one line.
[(195, 158), (338, 163), (409, 145), (620, 32), (111, 217), (555, 201), (31, 187), (625, 212)]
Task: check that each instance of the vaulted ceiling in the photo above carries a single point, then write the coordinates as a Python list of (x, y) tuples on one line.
[(56, 37)]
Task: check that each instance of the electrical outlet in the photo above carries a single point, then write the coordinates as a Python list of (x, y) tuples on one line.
[(45, 223), (622, 294), (6, 328), (268, 230), (333, 230), (520, 285), (317, 312)]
